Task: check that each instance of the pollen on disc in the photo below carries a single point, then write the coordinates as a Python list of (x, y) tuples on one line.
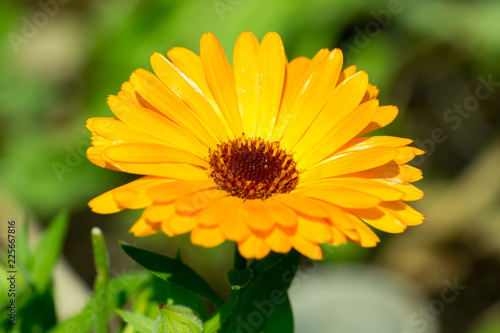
[(252, 168)]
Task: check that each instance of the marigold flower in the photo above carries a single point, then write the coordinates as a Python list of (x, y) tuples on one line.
[(267, 153)]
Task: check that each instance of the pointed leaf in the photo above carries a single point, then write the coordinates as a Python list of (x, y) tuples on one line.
[(140, 323), (173, 271), (177, 319)]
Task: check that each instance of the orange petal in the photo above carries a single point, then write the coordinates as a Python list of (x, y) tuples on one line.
[(142, 228), (279, 240), (256, 216), (380, 219), (107, 203), (314, 231), (220, 210), (192, 204), (207, 237), (254, 247), (173, 190), (404, 212), (302, 204), (307, 248), (343, 197)]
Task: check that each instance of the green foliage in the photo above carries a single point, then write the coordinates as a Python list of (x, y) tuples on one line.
[(174, 271), (102, 279), (140, 323), (177, 319), (265, 293)]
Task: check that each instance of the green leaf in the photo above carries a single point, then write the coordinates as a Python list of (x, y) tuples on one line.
[(238, 279), (48, 251), (216, 321), (101, 280), (282, 318), (177, 319), (262, 298), (119, 292), (140, 323), (173, 271)]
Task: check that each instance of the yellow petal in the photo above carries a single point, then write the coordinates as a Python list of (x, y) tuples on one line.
[(207, 237), (367, 238), (220, 210), (116, 130), (142, 228), (348, 163), (174, 108), (374, 141), (295, 70), (256, 216), (328, 136), (384, 116), (166, 170), (151, 123), (190, 93), (315, 93), (152, 153), (373, 187), (347, 72), (404, 212), (302, 204), (280, 213), (106, 203), (380, 219), (307, 248), (173, 190), (408, 173), (411, 192), (254, 247), (315, 231), (193, 203), (343, 197), (158, 213), (181, 224), (220, 78), (279, 240), (271, 63), (247, 81)]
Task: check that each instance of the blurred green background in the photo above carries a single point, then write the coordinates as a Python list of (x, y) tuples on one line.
[(436, 60)]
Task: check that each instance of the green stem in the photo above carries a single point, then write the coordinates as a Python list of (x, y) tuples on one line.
[(239, 262), (101, 281)]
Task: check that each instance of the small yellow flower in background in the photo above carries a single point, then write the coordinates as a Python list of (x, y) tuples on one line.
[(267, 153)]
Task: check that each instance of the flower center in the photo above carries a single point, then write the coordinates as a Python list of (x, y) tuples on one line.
[(252, 168)]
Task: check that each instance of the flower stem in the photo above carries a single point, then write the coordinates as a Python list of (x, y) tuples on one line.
[(239, 262)]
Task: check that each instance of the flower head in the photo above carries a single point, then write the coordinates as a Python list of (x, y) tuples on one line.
[(267, 153)]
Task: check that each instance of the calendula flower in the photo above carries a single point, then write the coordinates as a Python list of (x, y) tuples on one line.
[(270, 154)]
